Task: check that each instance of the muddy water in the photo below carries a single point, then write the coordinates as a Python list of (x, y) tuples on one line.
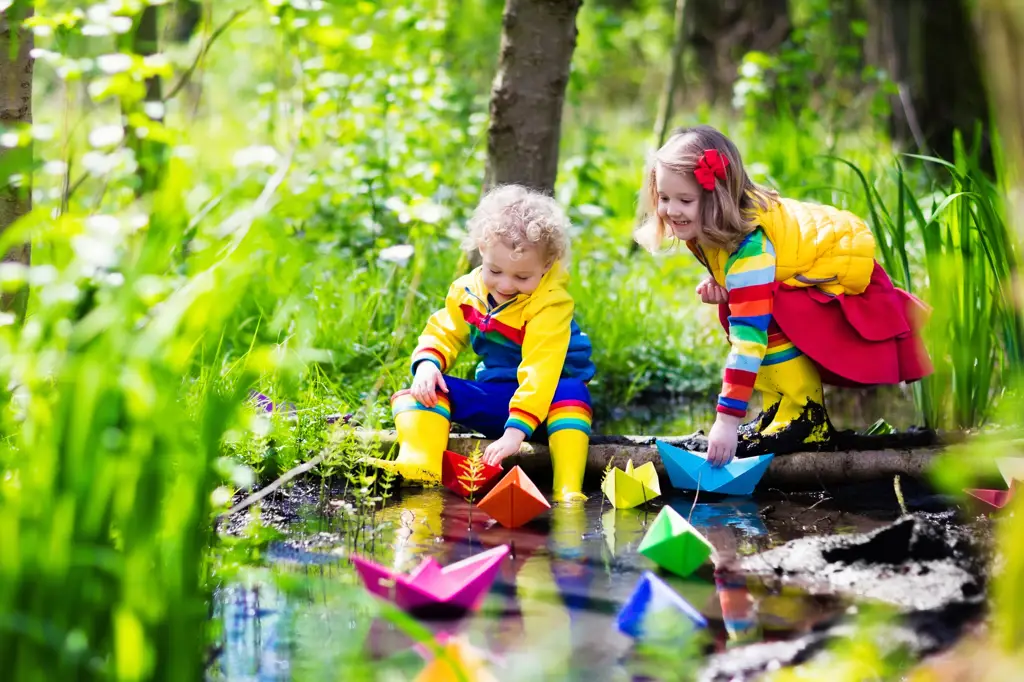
[(551, 613)]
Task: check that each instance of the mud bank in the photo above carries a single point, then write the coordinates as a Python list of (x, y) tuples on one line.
[(924, 566)]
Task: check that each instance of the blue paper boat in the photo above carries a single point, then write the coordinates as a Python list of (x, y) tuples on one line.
[(692, 471), (652, 594)]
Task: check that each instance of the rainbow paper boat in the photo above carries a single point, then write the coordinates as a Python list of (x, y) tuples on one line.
[(632, 487), (432, 590), (691, 471), (515, 500), (458, 476)]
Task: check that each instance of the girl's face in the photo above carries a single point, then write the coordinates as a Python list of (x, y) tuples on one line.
[(506, 277), (678, 202)]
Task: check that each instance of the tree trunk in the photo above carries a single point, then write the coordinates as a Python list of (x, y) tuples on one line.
[(672, 80), (931, 53), (16, 65), (537, 41), (722, 31), (1000, 25), (148, 154), (187, 14)]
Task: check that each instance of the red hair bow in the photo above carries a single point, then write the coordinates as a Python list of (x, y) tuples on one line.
[(711, 165)]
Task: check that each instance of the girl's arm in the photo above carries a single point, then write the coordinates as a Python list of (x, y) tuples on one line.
[(750, 281)]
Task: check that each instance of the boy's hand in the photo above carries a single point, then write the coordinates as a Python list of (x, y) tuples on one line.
[(712, 292), (507, 445), (428, 378), (722, 440)]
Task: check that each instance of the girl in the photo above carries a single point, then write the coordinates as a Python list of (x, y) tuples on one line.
[(798, 289)]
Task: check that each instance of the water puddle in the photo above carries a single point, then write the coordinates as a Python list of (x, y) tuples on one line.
[(551, 613)]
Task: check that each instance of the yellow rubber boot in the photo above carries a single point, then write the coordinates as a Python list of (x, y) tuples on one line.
[(569, 449), (796, 381), (422, 436)]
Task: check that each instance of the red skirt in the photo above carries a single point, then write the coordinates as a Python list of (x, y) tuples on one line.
[(863, 340)]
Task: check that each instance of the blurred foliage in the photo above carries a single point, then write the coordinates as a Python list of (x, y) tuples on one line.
[(315, 164)]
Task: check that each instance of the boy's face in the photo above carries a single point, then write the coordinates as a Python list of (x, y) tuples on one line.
[(678, 202), (505, 277)]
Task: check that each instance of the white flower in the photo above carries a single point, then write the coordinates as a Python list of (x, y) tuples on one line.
[(114, 63), (103, 225), (400, 254), (106, 136), (93, 252), (257, 155), (9, 140), (42, 132), (56, 168), (155, 110)]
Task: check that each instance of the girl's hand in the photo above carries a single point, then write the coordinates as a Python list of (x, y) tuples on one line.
[(507, 445), (712, 292), (428, 378), (722, 440)]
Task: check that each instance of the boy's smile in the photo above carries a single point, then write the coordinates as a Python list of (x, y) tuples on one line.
[(506, 276)]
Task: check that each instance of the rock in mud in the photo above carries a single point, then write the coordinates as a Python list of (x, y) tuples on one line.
[(917, 563), (924, 566)]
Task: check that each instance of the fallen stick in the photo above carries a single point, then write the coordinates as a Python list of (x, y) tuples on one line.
[(797, 470)]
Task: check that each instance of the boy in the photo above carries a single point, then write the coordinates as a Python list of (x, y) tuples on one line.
[(515, 312)]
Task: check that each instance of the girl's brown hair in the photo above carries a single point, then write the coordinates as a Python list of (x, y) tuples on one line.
[(728, 213)]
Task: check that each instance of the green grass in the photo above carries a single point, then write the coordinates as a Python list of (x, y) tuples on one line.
[(959, 232)]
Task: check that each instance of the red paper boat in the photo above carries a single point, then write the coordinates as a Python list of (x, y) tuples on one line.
[(515, 500), (432, 591), (996, 499), (457, 474)]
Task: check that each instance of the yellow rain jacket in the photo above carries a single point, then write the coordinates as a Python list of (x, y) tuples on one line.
[(815, 246), (533, 340)]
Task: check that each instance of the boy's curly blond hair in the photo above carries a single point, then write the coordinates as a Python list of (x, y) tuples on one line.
[(522, 218)]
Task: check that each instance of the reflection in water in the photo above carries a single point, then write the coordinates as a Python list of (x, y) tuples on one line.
[(550, 614)]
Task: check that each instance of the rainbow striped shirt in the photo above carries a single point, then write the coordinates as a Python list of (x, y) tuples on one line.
[(750, 281)]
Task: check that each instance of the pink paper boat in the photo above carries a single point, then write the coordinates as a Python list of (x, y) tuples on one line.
[(431, 590), (992, 499)]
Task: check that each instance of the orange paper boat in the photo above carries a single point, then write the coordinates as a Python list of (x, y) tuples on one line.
[(515, 500), (457, 474)]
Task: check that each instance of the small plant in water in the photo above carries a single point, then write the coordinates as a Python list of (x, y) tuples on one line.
[(473, 477)]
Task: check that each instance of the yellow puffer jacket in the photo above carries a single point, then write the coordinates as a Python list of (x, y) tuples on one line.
[(815, 245)]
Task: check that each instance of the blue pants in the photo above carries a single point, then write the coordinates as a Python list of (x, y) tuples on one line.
[(483, 405)]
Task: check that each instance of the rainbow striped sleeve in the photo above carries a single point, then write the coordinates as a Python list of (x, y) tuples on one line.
[(750, 281), (522, 420)]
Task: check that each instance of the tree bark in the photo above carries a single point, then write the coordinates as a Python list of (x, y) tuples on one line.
[(672, 80), (16, 65), (148, 154), (931, 53), (1000, 26), (722, 31), (537, 41)]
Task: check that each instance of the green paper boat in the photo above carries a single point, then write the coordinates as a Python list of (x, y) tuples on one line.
[(675, 545)]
